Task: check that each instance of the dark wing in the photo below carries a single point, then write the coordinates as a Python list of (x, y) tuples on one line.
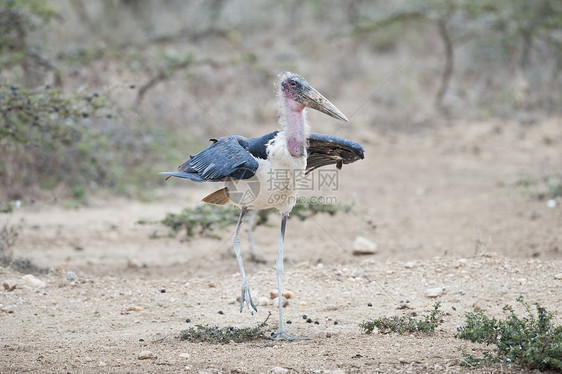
[(226, 158), (329, 150)]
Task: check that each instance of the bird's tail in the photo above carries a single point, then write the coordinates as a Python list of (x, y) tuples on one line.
[(219, 197)]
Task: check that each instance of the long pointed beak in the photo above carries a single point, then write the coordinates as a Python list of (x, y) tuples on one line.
[(314, 99)]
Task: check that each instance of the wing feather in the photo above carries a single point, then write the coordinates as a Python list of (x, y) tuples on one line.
[(324, 150), (226, 158)]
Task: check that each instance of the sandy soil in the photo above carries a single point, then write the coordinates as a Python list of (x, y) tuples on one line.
[(441, 202)]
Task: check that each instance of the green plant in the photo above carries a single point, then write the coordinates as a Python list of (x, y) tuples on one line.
[(204, 219), (201, 220), (49, 139), (6, 207), (553, 185), (531, 341), (403, 324), (224, 335), (549, 187), (44, 141), (17, 19), (8, 236)]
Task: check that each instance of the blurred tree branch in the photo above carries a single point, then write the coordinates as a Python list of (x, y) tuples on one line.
[(17, 19), (525, 21)]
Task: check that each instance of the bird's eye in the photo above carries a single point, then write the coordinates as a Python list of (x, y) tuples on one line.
[(293, 83)]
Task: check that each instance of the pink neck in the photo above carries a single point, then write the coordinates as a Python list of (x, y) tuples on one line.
[(295, 127)]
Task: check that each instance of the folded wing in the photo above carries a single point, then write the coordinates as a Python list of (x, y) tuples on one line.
[(226, 158)]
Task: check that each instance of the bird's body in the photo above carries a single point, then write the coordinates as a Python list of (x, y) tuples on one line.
[(282, 196), (266, 179), (261, 173)]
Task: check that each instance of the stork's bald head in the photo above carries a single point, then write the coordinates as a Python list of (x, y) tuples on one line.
[(294, 87)]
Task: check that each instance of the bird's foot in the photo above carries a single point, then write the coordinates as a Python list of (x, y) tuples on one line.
[(283, 335), (246, 297)]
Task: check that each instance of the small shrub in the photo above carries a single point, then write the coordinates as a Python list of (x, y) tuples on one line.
[(50, 139), (549, 187), (532, 342), (204, 219), (305, 209), (224, 335), (8, 236), (403, 324)]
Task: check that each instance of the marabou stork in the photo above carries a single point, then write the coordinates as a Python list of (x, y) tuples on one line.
[(259, 172)]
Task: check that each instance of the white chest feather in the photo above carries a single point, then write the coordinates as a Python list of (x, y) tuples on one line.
[(274, 183)]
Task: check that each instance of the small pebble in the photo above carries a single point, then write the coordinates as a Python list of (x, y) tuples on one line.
[(434, 292), (188, 320), (8, 308), (308, 320), (102, 364), (163, 290), (363, 246), (30, 280), (185, 355), (146, 355), (71, 276), (370, 304), (221, 312), (263, 301), (335, 322), (460, 263), (9, 285), (141, 340), (132, 86), (289, 322), (558, 276), (304, 316), (316, 322), (134, 308), (279, 370), (283, 300), (88, 359), (410, 264)]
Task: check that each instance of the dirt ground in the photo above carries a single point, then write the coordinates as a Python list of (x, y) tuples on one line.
[(441, 202)]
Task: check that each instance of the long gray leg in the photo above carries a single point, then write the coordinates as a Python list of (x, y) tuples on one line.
[(245, 296), (250, 219), (281, 332)]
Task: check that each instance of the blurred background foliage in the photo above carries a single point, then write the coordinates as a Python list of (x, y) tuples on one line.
[(98, 96)]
